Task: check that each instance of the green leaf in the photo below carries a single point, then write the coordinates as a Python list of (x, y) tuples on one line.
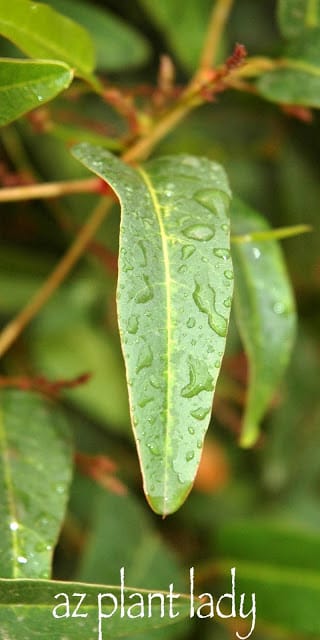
[(81, 347), (265, 313), (25, 85), (27, 606), (297, 80), (174, 296), (148, 562), (281, 566), (35, 472), (187, 40), (294, 16), (118, 45), (41, 32)]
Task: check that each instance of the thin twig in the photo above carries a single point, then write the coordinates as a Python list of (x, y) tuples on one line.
[(50, 189), (219, 16), (14, 328)]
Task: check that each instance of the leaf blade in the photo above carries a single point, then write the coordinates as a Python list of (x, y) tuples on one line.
[(33, 601), (265, 314), (41, 32), (30, 525), (25, 85), (118, 45), (297, 81), (273, 558), (294, 16), (174, 209)]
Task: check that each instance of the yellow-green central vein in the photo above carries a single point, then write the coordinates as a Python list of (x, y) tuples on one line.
[(166, 262), (9, 485)]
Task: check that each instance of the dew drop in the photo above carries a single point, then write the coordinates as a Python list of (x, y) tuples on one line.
[(191, 323), (133, 324), (200, 413), (191, 431), (60, 488), (279, 308), (225, 227), (22, 560), (126, 266), (145, 358), (182, 269), (256, 253), (14, 526), (227, 302), (228, 274), (153, 449), (155, 383), (189, 456), (222, 253), (145, 400), (199, 232), (205, 299), (143, 262), (199, 444), (199, 378), (187, 251), (146, 293), (215, 200)]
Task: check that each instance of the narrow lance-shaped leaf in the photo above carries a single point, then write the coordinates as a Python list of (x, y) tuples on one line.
[(118, 45), (265, 313), (27, 606), (174, 297), (297, 80), (35, 472), (25, 85), (294, 16), (41, 32), (280, 564)]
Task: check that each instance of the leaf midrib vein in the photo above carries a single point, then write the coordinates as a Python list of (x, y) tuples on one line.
[(166, 262)]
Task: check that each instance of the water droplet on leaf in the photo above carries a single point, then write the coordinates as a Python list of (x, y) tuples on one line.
[(144, 359), (133, 324), (215, 200), (199, 232), (222, 253), (187, 251), (205, 299), (200, 413), (146, 293), (199, 378)]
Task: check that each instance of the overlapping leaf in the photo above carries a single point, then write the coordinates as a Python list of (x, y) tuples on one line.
[(265, 313), (174, 298), (280, 565), (118, 45), (294, 16), (41, 32), (27, 608), (297, 80), (35, 472), (25, 85), (186, 41)]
